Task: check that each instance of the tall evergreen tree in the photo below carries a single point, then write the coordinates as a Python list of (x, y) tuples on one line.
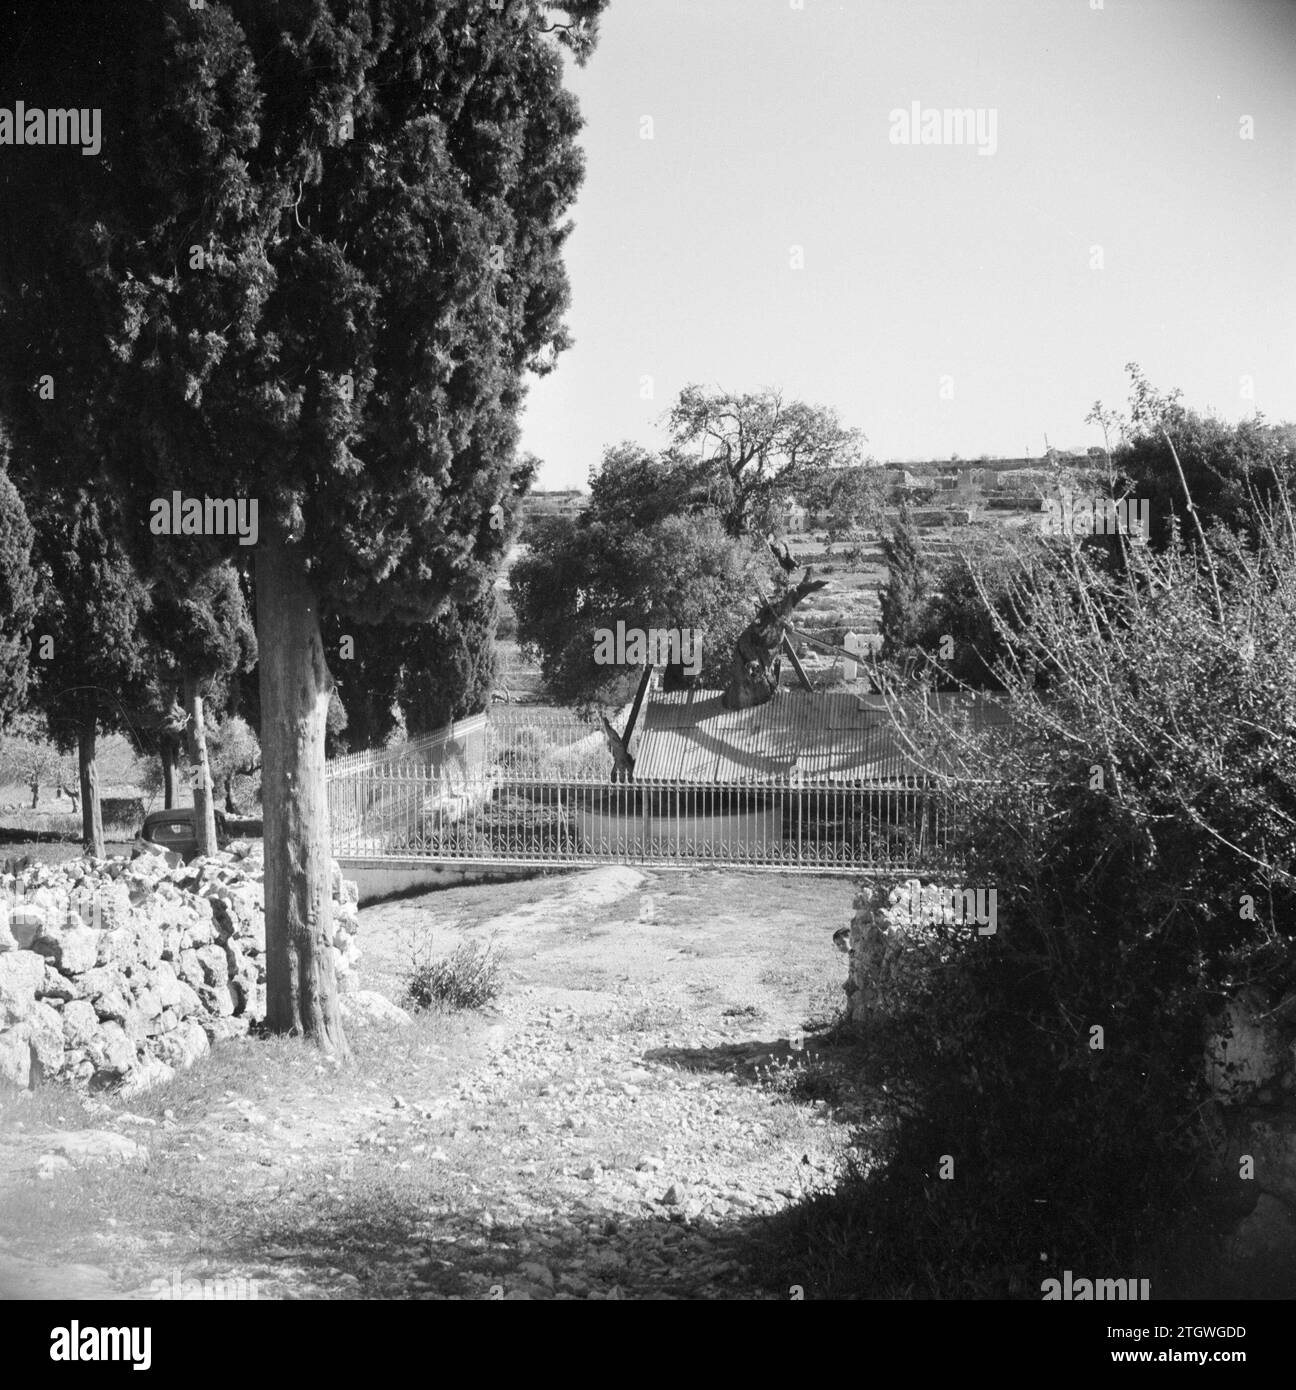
[(17, 597), (451, 672), (203, 640), (89, 640), (316, 255), (908, 587), (426, 674)]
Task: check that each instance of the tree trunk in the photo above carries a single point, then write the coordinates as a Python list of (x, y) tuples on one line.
[(35, 786), (301, 985), (91, 818), (169, 751), (204, 810), (746, 688), (230, 808), (752, 679)]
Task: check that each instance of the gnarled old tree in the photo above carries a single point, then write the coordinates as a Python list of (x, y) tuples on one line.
[(318, 251), (754, 676)]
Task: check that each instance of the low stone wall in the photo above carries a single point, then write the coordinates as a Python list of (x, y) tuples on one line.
[(115, 972), (1250, 1066), (1249, 1062), (380, 879), (886, 941)]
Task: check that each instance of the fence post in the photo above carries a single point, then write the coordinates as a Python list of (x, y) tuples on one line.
[(799, 801)]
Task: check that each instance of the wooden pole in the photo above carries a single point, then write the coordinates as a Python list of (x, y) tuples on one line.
[(638, 700), (796, 663)]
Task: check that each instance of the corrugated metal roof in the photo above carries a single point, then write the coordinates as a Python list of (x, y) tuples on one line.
[(825, 735)]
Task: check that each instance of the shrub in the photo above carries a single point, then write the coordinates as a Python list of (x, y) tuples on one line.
[(466, 979), (519, 751), (1151, 770), (580, 761), (122, 813), (1228, 467), (974, 599)]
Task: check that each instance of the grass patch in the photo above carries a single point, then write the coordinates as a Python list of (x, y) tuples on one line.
[(826, 1012), (220, 1189), (67, 824), (54, 1105), (652, 1018)]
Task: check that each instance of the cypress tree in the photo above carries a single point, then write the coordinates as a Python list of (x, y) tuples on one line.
[(316, 255)]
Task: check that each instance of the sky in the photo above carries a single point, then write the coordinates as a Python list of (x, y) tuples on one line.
[(750, 218)]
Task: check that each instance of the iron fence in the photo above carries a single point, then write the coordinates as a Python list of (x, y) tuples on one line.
[(403, 811), (531, 786), (422, 750)]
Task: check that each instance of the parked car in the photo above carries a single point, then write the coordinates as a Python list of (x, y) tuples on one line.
[(175, 830)]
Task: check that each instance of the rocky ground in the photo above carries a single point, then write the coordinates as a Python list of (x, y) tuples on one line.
[(620, 1124)]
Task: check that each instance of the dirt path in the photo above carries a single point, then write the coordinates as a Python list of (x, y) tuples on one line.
[(616, 1126)]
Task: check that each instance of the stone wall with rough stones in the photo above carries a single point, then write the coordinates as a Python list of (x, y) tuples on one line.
[(1249, 1063), (886, 942), (116, 972)]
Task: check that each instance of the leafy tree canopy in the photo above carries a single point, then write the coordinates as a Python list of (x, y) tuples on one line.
[(1231, 470), (629, 558), (634, 487), (760, 448)]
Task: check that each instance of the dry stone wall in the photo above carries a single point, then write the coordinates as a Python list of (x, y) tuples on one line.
[(891, 943), (116, 972)]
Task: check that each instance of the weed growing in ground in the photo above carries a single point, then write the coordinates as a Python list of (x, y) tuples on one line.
[(651, 1018), (468, 978), (801, 1077)]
